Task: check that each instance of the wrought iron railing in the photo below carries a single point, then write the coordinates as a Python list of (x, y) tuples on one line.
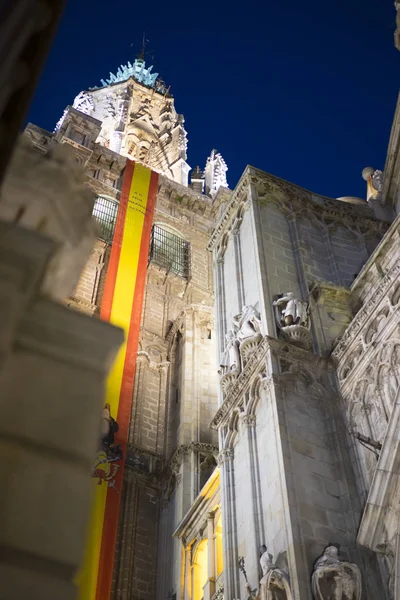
[(105, 212), (170, 252)]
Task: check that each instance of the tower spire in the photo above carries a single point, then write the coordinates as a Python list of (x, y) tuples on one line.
[(141, 54)]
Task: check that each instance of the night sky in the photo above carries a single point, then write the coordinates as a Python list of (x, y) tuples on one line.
[(305, 90)]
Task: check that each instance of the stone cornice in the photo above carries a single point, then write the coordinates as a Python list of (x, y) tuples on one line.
[(292, 199), (197, 203)]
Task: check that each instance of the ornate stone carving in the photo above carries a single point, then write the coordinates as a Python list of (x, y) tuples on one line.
[(224, 456), (256, 366), (241, 341), (333, 579), (247, 324), (292, 318), (231, 356), (215, 173), (84, 102), (291, 310), (275, 583)]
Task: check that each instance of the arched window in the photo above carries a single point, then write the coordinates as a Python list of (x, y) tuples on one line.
[(170, 250), (105, 212)]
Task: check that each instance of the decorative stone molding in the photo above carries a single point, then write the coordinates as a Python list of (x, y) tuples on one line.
[(177, 458), (226, 455), (153, 366), (292, 199), (299, 335), (256, 365), (248, 420)]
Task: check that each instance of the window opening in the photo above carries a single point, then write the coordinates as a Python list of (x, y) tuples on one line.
[(105, 212), (170, 251)]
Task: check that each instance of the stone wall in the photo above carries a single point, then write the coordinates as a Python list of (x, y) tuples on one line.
[(287, 475)]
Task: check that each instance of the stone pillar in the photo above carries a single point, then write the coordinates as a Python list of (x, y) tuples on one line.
[(238, 264), (249, 423), (116, 141), (51, 394), (187, 593), (220, 308), (230, 549), (53, 366), (211, 554)]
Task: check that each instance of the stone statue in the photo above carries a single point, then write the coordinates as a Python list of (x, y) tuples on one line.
[(333, 579), (291, 310), (274, 584), (231, 357), (247, 323)]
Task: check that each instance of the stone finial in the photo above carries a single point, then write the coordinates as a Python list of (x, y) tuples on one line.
[(215, 173)]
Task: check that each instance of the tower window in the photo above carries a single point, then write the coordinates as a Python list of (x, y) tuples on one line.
[(170, 251), (105, 212)]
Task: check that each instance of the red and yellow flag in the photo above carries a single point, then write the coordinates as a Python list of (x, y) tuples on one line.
[(121, 306)]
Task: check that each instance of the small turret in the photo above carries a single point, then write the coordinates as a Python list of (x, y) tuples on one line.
[(215, 173), (197, 180)]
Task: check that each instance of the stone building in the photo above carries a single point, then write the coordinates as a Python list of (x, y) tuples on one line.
[(257, 418)]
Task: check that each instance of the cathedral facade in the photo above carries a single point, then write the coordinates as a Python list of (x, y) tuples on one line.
[(262, 446)]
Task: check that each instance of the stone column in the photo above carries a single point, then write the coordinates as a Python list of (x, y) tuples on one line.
[(238, 263), (220, 307), (249, 422), (265, 295), (211, 554), (187, 592), (230, 549), (301, 274), (51, 390)]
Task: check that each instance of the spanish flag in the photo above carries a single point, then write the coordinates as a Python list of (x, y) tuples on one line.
[(121, 306)]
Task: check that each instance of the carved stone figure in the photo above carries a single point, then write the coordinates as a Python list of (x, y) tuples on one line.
[(275, 582), (291, 310), (333, 579), (247, 323), (231, 357)]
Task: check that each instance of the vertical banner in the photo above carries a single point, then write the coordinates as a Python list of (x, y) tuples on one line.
[(121, 306)]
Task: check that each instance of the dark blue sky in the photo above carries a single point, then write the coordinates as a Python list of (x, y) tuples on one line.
[(305, 90)]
